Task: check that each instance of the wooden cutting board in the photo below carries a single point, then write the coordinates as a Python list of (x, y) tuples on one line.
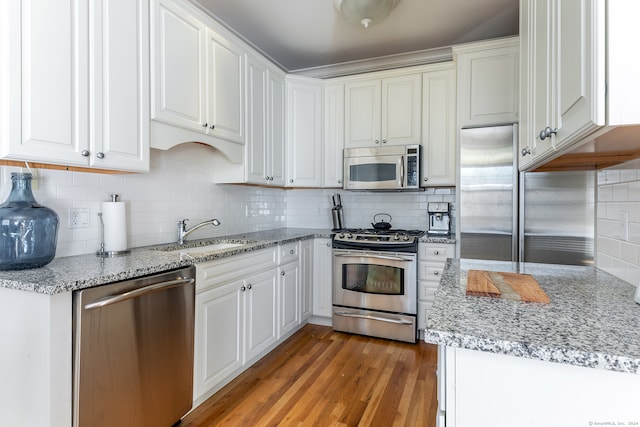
[(513, 286)]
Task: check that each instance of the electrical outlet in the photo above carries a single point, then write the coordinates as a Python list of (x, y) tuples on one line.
[(79, 217)]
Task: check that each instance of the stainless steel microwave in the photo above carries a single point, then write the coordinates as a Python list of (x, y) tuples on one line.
[(394, 167)]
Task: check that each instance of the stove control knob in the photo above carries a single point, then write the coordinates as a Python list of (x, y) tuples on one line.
[(341, 235), (406, 237), (396, 237), (350, 236)]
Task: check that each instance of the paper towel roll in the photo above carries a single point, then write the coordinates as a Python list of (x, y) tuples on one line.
[(114, 216)]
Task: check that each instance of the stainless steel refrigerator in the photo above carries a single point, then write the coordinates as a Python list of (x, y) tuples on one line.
[(534, 216)]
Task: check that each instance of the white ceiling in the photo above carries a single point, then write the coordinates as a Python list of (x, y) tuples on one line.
[(303, 34)]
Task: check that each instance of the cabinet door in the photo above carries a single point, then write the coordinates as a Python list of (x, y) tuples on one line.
[(225, 92), (44, 111), (276, 153), (260, 313), (488, 83), (401, 110), (218, 336), (120, 80), (333, 136), (289, 294), (178, 69), (439, 128), (256, 149), (306, 278), (362, 113), (322, 276), (580, 74), (304, 137)]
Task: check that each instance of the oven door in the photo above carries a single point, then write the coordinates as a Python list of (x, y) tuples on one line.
[(372, 280)]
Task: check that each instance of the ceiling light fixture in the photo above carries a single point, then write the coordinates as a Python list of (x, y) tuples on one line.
[(365, 12)]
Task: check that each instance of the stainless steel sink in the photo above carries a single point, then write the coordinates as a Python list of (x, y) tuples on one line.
[(205, 246), (210, 248)]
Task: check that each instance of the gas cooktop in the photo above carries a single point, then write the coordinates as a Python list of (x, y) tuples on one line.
[(370, 238)]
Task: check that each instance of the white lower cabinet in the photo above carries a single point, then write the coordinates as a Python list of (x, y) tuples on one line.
[(431, 260), (322, 272), (289, 291), (236, 317), (245, 305)]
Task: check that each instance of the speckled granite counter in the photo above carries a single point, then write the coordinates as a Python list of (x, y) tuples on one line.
[(592, 319), (84, 271), (438, 239)]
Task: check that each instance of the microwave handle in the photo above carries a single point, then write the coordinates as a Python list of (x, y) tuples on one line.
[(402, 180)]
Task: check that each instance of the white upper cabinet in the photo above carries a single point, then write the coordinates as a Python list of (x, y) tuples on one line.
[(265, 149), (197, 75), (75, 83), (120, 79), (178, 69), (383, 111), (225, 94), (333, 136), (488, 83), (439, 126), (304, 132), (578, 82)]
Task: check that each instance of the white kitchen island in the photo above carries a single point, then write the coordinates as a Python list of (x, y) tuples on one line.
[(572, 362)]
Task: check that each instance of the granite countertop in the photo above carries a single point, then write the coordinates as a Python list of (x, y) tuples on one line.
[(591, 320), (84, 271)]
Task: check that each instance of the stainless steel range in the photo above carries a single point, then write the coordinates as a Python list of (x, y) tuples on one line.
[(375, 282)]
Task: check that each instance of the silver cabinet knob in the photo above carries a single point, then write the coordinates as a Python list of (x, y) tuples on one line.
[(242, 288), (85, 153), (249, 286), (212, 127), (547, 132), (435, 273), (205, 125), (100, 155), (339, 181), (425, 179), (328, 245), (436, 252), (377, 141), (526, 151), (270, 178), (291, 181), (266, 178), (292, 251), (384, 141), (282, 273)]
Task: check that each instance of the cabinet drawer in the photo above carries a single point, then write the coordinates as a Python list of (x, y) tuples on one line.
[(288, 252), (436, 252), (430, 271), (427, 290), (219, 272)]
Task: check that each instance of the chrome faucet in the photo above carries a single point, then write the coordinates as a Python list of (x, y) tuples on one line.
[(184, 232)]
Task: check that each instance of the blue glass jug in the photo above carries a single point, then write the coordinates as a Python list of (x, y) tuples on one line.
[(28, 231)]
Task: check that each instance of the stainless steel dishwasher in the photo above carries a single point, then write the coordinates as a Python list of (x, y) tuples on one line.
[(133, 351)]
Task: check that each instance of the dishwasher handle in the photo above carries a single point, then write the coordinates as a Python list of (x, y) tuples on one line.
[(145, 290)]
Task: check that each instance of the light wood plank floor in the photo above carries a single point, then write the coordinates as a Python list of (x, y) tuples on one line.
[(319, 377)]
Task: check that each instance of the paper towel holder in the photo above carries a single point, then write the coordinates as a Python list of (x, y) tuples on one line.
[(108, 254)]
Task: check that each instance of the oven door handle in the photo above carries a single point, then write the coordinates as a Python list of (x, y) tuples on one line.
[(370, 317), (387, 257)]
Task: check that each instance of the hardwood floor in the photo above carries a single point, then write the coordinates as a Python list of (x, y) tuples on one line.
[(319, 377)]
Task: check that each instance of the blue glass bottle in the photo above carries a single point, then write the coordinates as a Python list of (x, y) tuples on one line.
[(28, 231)]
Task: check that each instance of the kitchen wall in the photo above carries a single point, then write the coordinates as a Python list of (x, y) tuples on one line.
[(618, 221), (180, 186)]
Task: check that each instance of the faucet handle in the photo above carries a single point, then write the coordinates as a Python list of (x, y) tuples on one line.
[(183, 222)]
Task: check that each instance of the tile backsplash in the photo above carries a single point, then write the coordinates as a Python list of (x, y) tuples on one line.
[(180, 185), (618, 221)]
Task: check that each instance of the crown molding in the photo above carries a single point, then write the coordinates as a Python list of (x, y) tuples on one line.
[(400, 60)]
